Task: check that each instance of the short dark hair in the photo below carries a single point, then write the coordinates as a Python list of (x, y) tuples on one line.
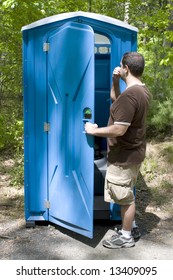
[(135, 62)]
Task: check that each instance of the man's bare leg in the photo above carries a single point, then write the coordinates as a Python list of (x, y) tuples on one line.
[(128, 215)]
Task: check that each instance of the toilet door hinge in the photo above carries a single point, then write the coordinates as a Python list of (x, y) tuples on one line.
[(47, 204), (45, 47), (46, 127)]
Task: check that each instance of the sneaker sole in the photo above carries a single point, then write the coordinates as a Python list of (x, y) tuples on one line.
[(111, 246)]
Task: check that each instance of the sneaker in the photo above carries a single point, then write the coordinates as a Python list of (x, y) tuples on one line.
[(135, 232), (118, 241)]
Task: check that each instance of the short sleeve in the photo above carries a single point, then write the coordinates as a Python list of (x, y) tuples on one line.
[(123, 110)]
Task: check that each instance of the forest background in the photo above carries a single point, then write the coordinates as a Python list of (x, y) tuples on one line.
[(153, 18)]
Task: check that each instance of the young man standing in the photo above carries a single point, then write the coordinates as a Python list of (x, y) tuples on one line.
[(125, 134)]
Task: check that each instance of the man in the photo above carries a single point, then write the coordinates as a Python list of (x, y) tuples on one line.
[(125, 134)]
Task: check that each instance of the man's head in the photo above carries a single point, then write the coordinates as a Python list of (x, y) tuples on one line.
[(133, 61)]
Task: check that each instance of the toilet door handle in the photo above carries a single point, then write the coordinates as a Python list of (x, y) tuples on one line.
[(87, 115)]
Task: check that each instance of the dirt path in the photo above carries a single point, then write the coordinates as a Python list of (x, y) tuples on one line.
[(154, 195)]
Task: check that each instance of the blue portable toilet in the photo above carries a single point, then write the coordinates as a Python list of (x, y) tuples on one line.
[(67, 64)]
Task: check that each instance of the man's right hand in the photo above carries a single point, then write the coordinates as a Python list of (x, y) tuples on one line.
[(115, 90), (116, 73)]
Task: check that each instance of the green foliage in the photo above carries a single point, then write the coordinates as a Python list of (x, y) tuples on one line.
[(168, 153), (155, 42), (11, 134), (3, 140), (17, 171), (11, 139), (165, 114), (149, 168), (153, 18)]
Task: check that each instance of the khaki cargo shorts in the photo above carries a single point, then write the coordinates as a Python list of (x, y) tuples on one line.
[(119, 184)]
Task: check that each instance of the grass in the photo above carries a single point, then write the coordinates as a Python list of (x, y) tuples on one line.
[(157, 170), (162, 194), (167, 152)]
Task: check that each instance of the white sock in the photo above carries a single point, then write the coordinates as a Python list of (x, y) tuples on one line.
[(134, 225), (126, 233)]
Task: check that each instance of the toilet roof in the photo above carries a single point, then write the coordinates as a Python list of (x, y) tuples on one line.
[(93, 16)]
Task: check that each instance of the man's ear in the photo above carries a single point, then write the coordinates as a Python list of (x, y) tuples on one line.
[(126, 68)]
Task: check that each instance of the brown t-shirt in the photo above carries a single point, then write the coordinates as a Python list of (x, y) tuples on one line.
[(130, 108)]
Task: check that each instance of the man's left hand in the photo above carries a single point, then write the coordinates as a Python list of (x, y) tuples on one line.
[(90, 128)]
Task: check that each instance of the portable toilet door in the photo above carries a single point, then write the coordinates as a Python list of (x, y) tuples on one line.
[(59, 95), (70, 72)]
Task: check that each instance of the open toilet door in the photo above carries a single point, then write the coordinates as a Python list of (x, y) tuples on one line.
[(70, 87)]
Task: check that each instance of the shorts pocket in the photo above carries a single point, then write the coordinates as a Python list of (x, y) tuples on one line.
[(121, 193)]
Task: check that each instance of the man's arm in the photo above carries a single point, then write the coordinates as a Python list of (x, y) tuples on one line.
[(115, 89), (111, 131)]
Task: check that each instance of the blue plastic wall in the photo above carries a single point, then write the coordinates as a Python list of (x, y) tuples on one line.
[(35, 113)]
